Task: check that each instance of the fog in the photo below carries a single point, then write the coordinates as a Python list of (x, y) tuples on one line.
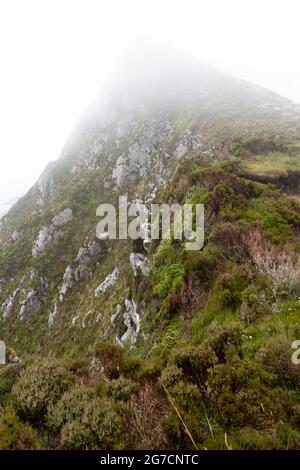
[(57, 54)]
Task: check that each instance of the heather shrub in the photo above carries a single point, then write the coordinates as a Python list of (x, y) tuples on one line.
[(205, 261), (104, 421), (10, 427), (225, 340), (70, 407), (170, 376), (256, 303), (8, 377), (246, 438), (150, 369), (146, 409), (241, 393), (41, 384), (120, 389), (231, 284), (185, 395), (111, 357), (14, 434), (275, 356), (194, 361), (289, 437), (99, 428), (168, 270), (76, 436)]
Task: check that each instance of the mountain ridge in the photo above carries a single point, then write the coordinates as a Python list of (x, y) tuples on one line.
[(126, 345), (135, 148)]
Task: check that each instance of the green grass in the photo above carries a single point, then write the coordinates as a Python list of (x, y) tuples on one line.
[(273, 162)]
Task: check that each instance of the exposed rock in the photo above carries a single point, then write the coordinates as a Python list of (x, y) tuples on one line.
[(45, 236), (68, 282), (181, 150), (146, 234), (142, 155), (52, 314), (116, 314), (32, 303), (63, 217), (7, 306), (140, 263), (2, 353), (108, 282), (16, 235), (84, 322), (74, 319), (96, 367), (132, 322), (49, 233), (80, 268), (12, 357), (33, 273), (46, 187)]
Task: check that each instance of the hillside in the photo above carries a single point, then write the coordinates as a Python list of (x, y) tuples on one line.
[(193, 345)]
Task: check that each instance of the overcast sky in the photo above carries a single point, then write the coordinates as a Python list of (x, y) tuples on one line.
[(55, 54)]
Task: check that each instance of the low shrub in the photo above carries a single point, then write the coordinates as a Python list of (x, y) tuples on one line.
[(100, 427), (254, 439), (241, 393), (194, 361), (41, 384), (170, 376), (275, 356), (120, 389), (111, 357), (225, 340), (14, 434), (70, 407), (8, 376)]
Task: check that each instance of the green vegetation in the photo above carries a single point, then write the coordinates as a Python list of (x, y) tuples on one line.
[(273, 162), (211, 366), (214, 369)]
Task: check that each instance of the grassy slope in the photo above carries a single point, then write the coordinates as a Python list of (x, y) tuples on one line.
[(215, 358), (215, 353)]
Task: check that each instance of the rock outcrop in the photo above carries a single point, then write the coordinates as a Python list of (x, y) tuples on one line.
[(108, 282)]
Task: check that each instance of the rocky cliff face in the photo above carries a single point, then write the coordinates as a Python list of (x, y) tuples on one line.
[(61, 288)]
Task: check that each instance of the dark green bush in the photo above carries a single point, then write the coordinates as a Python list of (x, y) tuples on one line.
[(241, 393), (14, 434), (194, 361), (225, 340), (8, 375), (231, 284)]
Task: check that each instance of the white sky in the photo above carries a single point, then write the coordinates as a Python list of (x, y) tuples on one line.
[(55, 54)]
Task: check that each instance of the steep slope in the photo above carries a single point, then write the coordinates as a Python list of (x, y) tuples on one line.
[(163, 110), (158, 346)]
